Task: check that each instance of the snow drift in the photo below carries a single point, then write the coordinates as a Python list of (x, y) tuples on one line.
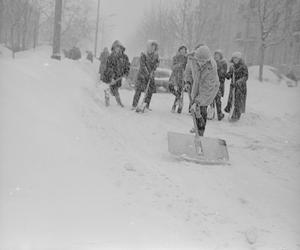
[(77, 175)]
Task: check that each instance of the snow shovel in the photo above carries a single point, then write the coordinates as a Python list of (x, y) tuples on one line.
[(197, 148), (142, 107)]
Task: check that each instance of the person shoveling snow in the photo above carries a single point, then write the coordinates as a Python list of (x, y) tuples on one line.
[(201, 70)]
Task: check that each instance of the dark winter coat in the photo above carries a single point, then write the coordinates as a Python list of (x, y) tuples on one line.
[(103, 60), (238, 73), (178, 66), (117, 66), (148, 64), (222, 70)]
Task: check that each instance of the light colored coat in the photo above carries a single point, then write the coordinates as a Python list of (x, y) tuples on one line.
[(201, 71)]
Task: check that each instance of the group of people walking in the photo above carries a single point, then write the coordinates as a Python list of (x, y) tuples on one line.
[(200, 73)]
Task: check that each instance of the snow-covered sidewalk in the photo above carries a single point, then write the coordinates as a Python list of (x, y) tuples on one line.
[(78, 175)]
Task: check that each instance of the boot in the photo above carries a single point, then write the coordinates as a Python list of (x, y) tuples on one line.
[(220, 117), (227, 109)]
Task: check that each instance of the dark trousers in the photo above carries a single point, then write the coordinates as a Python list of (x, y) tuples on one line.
[(201, 118), (218, 104), (137, 96), (175, 92), (239, 104)]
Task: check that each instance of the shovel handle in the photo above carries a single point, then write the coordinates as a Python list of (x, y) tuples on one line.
[(195, 124)]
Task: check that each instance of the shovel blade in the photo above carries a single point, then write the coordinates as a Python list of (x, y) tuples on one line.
[(185, 146)]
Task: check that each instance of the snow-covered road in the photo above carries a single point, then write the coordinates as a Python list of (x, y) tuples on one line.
[(75, 174)]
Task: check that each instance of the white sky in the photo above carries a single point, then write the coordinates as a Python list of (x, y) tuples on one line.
[(124, 16), (127, 14)]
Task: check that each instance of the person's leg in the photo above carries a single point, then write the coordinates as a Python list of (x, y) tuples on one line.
[(237, 106), (173, 91), (180, 99), (148, 98), (136, 97), (219, 106), (116, 94), (112, 90), (149, 93), (201, 119)]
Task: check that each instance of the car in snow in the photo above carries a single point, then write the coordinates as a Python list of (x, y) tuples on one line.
[(162, 76)]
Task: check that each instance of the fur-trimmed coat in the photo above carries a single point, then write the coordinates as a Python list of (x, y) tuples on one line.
[(203, 75)]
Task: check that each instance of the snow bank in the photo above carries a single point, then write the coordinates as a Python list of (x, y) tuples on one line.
[(5, 52), (270, 75)]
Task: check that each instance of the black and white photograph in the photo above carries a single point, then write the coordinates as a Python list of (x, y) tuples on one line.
[(149, 125)]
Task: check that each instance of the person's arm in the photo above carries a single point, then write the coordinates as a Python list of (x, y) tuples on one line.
[(156, 62), (195, 87)]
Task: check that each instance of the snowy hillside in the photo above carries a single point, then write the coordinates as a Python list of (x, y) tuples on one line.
[(75, 174)]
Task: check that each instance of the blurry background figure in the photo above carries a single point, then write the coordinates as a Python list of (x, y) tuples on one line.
[(89, 56), (74, 53)]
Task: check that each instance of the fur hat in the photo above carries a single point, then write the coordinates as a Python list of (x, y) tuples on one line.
[(117, 43), (150, 43), (236, 54), (220, 53), (202, 54)]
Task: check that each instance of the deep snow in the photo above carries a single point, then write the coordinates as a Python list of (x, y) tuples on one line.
[(77, 175)]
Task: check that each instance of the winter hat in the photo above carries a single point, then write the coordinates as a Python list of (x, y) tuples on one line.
[(182, 47), (150, 43), (202, 53), (220, 53), (117, 43), (237, 54)]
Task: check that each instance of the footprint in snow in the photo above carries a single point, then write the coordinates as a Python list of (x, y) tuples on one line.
[(129, 167)]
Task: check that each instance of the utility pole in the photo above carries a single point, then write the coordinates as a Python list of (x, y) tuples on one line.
[(57, 30), (97, 28)]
